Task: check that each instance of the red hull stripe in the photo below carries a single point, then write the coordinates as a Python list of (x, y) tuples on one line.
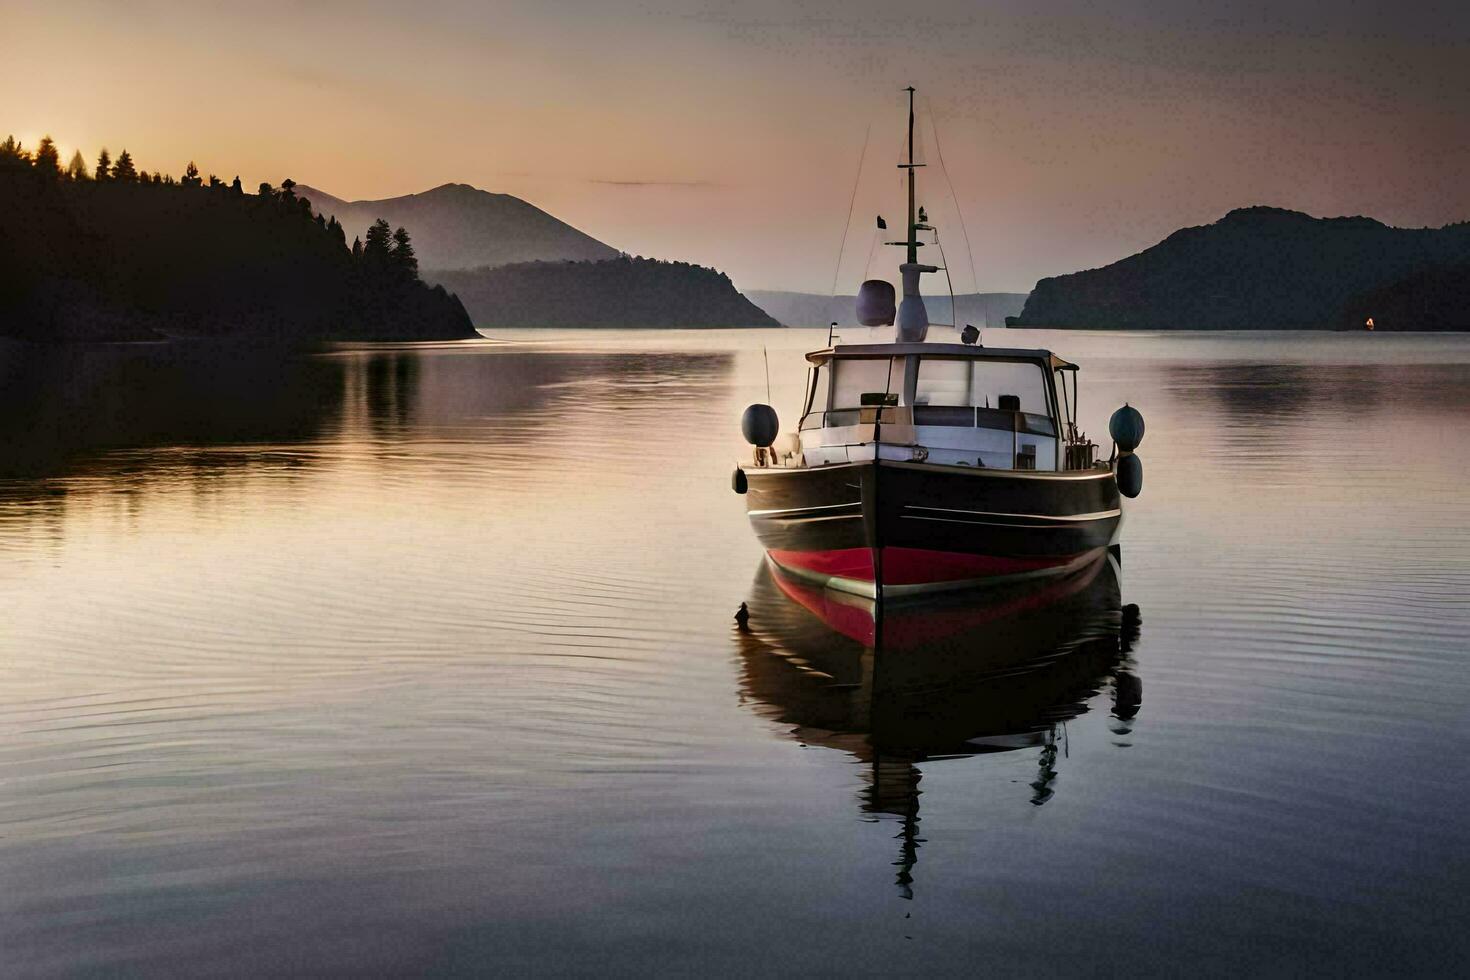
[(912, 566), (909, 627), (853, 621)]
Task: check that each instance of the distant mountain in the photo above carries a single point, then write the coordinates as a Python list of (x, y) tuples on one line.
[(817, 310), (1257, 268), (621, 292), (456, 226)]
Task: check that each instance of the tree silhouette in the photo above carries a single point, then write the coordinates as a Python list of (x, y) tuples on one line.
[(265, 190), (216, 264), (235, 185), (48, 160), (404, 261), (375, 250), (13, 156), (123, 170)]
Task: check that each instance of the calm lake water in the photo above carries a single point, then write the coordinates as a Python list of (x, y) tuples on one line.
[(421, 658)]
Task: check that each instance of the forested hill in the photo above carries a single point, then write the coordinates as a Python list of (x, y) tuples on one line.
[(623, 292), (1435, 299), (120, 255), (456, 226), (1257, 268)]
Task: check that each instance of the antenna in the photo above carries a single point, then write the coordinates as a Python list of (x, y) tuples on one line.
[(912, 242), (913, 319)]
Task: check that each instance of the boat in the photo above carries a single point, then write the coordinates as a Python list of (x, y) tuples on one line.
[(925, 464)]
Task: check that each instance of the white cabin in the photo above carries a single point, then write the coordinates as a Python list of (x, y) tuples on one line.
[(947, 404)]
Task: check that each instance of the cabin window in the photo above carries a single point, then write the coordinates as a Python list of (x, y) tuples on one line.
[(856, 377), (981, 392), (943, 382), (816, 404), (1027, 382)]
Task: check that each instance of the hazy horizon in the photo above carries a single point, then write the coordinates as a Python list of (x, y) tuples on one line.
[(730, 138)]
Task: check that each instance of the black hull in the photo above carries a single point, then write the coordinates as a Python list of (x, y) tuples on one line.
[(918, 527)]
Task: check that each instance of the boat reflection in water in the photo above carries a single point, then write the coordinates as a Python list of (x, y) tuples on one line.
[(962, 674)]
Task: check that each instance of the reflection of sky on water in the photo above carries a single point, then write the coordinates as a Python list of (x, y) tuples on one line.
[(421, 658)]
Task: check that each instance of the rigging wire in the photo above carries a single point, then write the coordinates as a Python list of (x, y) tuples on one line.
[(872, 247), (954, 316), (851, 203), (960, 212), (898, 182), (877, 235)]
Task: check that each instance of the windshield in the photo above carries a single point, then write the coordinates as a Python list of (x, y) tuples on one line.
[(856, 377), (817, 395), (981, 384)]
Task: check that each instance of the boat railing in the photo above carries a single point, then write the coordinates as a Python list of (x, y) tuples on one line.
[(1080, 456), (895, 425), (867, 415), (1079, 452), (946, 416), (898, 426)]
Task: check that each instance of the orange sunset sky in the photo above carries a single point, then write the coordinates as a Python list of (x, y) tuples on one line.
[(730, 134)]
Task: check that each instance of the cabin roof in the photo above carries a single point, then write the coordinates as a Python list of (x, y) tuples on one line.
[(975, 352)]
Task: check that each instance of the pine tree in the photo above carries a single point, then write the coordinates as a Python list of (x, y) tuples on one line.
[(13, 156), (123, 170), (335, 227), (48, 159), (288, 190), (104, 165), (375, 249), (191, 176), (77, 168), (404, 260), (356, 248), (235, 185)]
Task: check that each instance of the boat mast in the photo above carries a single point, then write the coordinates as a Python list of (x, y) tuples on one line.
[(913, 319), (913, 238)]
